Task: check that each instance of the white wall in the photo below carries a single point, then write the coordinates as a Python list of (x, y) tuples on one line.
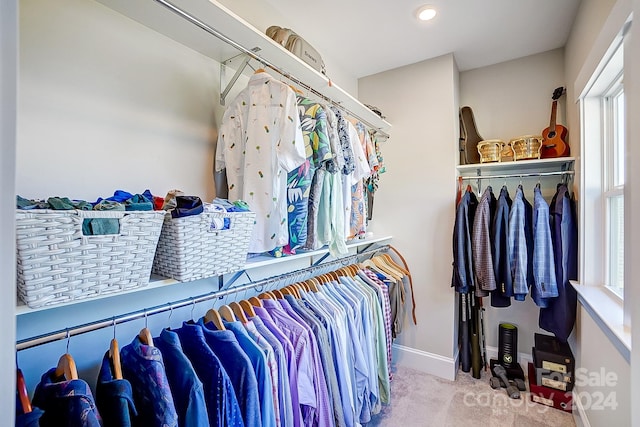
[(603, 375), (100, 112), (8, 78), (415, 202), (509, 100)]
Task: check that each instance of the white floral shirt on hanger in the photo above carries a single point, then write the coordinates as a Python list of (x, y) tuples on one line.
[(259, 142)]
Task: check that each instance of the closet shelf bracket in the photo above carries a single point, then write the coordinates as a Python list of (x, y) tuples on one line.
[(232, 280), (322, 258), (239, 70)]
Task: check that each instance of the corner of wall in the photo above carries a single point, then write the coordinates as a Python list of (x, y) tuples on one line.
[(423, 361)]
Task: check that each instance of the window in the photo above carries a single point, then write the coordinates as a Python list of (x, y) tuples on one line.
[(614, 148), (603, 134)]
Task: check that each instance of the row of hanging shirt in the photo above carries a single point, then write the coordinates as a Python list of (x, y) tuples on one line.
[(316, 354), (510, 248), (305, 168)]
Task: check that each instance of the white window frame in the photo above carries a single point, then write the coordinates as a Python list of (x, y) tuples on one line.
[(610, 164)]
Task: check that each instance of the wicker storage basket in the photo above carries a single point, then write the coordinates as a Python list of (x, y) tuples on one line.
[(56, 263), (489, 150), (526, 147), (189, 249)]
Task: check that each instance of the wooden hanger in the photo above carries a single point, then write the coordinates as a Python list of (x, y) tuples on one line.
[(345, 271), (114, 356), (145, 336), (23, 395), (290, 290), (266, 295), (213, 316), (295, 290), (391, 261), (66, 368), (238, 311), (255, 301), (227, 314), (385, 269), (303, 286), (296, 90), (312, 285), (248, 307), (277, 294), (260, 70)]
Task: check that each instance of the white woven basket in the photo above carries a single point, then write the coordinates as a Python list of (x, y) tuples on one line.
[(58, 264), (189, 249)]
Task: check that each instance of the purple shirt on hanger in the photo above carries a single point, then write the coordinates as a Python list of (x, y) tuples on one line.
[(268, 321), (255, 326), (324, 412), (302, 353)]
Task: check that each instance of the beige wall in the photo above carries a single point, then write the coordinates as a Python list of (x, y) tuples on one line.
[(415, 202)]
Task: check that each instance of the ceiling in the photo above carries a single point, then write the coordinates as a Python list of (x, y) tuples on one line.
[(369, 36)]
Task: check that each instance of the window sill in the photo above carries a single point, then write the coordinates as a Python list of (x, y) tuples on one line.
[(607, 311)]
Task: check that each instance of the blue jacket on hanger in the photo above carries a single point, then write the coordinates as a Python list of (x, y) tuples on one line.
[(560, 314), (65, 403)]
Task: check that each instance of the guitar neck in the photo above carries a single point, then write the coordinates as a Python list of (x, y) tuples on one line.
[(552, 121)]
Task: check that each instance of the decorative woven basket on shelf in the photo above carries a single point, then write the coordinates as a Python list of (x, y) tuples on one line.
[(190, 248), (489, 150), (57, 263), (526, 147)]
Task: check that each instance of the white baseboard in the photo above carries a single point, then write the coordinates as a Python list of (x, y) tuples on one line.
[(579, 414), (430, 363), (441, 366)]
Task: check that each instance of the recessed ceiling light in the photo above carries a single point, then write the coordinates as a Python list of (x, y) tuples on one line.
[(426, 13)]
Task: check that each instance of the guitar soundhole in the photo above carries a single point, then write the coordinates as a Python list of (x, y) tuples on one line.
[(552, 135)]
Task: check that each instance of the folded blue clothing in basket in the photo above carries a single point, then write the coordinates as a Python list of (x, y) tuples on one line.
[(224, 206), (120, 201)]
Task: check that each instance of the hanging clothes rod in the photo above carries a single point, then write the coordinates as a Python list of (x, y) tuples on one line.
[(175, 9), (517, 175), (296, 275)]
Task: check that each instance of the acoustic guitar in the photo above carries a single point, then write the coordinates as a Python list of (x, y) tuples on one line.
[(554, 142), (469, 137)]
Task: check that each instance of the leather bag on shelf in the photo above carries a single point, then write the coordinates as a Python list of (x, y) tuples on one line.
[(298, 46)]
